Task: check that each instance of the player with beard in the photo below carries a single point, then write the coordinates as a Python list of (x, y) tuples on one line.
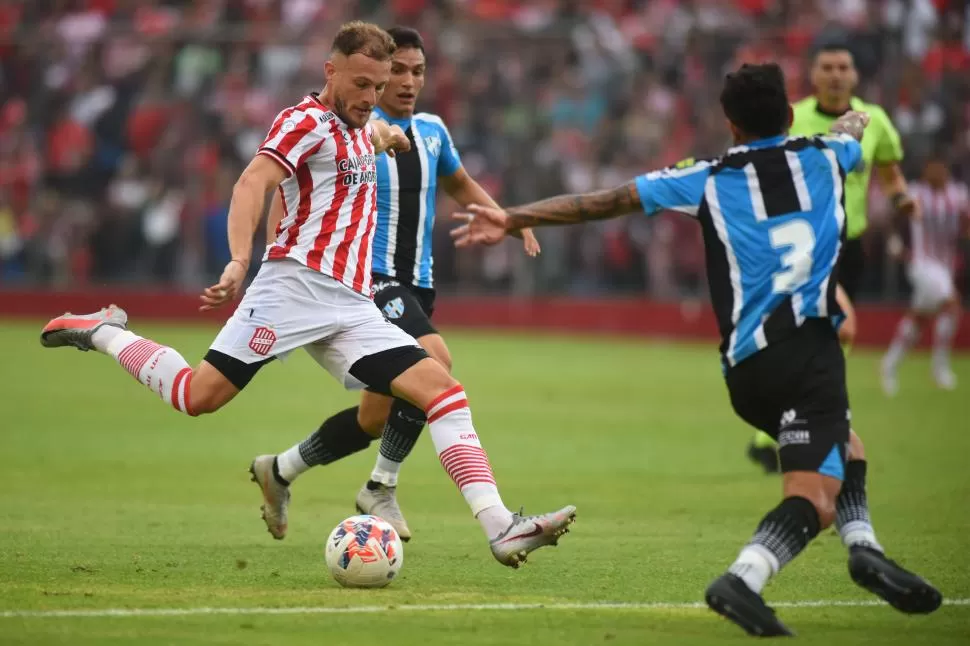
[(313, 292), (403, 281)]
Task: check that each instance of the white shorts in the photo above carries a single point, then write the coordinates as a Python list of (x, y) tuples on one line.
[(932, 285), (290, 306)]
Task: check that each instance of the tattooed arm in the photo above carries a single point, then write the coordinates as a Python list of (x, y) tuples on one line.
[(486, 225), (570, 209), (678, 188)]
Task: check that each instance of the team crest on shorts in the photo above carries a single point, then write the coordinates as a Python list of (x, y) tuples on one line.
[(262, 341), (394, 308)]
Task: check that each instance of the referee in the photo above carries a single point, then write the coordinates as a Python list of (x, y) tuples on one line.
[(834, 78)]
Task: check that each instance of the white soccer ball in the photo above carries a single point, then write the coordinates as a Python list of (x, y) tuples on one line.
[(364, 552)]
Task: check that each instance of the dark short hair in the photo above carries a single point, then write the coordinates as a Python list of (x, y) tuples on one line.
[(407, 38), (833, 46), (365, 38), (754, 99)]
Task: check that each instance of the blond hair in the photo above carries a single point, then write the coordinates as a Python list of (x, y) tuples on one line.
[(358, 37)]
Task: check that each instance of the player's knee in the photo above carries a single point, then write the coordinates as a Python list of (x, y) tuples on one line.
[(371, 421), (204, 400), (444, 359), (825, 507), (436, 348), (857, 450)]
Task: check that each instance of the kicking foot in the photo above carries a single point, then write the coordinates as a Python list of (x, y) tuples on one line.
[(276, 496), (77, 329), (885, 578), (731, 598), (382, 502), (528, 533), (764, 456)]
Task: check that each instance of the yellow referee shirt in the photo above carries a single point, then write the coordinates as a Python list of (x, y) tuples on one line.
[(880, 145)]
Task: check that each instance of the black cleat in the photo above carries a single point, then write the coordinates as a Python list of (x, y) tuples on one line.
[(730, 597), (883, 577), (766, 457)]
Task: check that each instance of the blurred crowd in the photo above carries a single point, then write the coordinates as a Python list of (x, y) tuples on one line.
[(123, 123)]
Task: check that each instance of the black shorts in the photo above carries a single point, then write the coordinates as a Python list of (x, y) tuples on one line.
[(852, 266), (794, 390), (406, 306)]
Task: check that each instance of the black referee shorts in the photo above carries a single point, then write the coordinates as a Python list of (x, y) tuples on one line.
[(794, 390), (406, 306)]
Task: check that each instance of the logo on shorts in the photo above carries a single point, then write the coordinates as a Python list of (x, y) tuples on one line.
[(788, 417), (394, 308), (263, 341), (378, 287), (786, 438)]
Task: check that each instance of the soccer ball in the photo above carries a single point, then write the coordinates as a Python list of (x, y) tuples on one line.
[(364, 552)]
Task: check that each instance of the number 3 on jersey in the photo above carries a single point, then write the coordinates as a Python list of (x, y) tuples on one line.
[(798, 238)]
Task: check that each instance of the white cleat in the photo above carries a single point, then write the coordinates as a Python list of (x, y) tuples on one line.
[(528, 533), (382, 502), (945, 378), (276, 497), (890, 383), (76, 330)]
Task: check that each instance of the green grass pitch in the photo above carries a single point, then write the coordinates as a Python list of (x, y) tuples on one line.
[(113, 500)]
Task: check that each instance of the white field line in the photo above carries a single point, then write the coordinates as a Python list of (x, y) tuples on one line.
[(355, 610)]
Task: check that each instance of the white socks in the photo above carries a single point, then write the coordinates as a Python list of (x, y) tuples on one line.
[(755, 566), (859, 532), (463, 457), (160, 368), (907, 334), (291, 464), (943, 332), (385, 471)]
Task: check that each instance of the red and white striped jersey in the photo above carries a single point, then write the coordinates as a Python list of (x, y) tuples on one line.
[(935, 235), (329, 194)]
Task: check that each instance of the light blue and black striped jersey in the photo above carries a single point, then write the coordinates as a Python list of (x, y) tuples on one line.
[(407, 187), (773, 218)]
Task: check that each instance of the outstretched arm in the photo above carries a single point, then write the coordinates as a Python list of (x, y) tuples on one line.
[(570, 209), (487, 225), (463, 188)]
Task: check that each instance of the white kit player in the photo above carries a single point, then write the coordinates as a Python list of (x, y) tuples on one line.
[(945, 206), (312, 291)]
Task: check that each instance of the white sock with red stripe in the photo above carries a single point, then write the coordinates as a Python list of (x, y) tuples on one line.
[(160, 368), (463, 457)]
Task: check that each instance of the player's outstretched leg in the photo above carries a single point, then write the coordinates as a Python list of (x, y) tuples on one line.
[(868, 565), (402, 423), (763, 451), (907, 334), (511, 536), (160, 368)]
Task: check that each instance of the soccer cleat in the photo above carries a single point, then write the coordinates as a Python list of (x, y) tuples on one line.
[(887, 376), (77, 329), (764, 456), (885, 578), (382, 502), (731, 598), (276, 497), (528, 533)]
